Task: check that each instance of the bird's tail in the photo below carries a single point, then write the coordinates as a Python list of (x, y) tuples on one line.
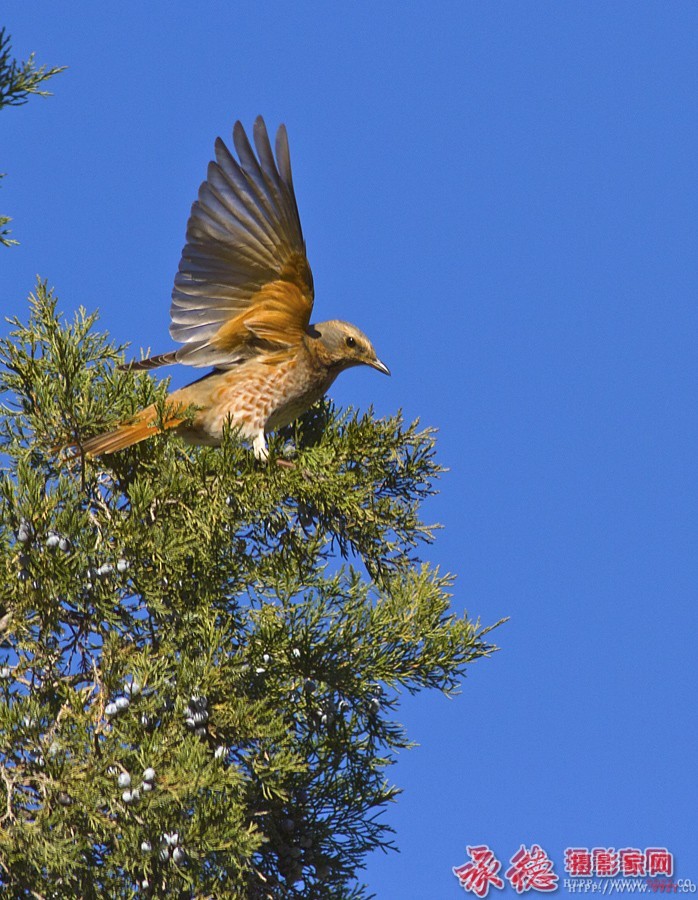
[(153, 362), (144, 426)]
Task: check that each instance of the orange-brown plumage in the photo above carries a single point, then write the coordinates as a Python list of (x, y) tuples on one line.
[(241, 303), (126, 435)]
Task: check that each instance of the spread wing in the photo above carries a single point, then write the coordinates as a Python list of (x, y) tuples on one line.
[(244, 285)]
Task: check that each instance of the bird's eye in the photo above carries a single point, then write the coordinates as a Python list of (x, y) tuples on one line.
[(351, 342)]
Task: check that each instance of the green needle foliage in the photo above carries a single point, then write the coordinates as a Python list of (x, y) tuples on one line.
[(201, 655), (17, 82)]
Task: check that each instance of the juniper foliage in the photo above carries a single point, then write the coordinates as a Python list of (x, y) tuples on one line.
[(17, 82), (202, 655)]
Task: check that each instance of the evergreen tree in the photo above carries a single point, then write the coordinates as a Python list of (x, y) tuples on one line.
[(202, 654)]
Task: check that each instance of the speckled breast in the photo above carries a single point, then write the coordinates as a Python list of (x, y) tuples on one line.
[(261, 397)]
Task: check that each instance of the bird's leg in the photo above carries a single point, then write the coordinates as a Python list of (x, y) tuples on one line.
[(259, 446)]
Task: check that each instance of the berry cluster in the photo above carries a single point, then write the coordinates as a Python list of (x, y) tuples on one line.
[(196, 714), (121, 703), (132, 794)]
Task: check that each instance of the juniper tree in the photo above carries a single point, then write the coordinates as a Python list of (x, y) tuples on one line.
[(202, 654)]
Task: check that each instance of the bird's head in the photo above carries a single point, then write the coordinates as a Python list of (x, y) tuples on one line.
[(340, 345)]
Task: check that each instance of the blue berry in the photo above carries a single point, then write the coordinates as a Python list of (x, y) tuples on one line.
[(132, 689)]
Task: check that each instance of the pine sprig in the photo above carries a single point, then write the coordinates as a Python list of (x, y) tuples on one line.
[(20, 79)]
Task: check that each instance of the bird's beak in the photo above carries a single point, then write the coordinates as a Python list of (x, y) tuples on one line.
[(377, 364)]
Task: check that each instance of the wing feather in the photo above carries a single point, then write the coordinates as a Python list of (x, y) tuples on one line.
[(244, 285), (253, 171), (243, 186)]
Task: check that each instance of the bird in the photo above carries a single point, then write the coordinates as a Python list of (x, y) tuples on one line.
[(241, 306)]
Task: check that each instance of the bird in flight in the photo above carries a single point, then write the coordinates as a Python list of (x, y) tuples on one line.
[(241, 304)]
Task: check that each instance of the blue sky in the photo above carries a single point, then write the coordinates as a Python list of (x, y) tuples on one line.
[(503, 196)]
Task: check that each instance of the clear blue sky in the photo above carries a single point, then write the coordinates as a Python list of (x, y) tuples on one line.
[(503, 195)]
